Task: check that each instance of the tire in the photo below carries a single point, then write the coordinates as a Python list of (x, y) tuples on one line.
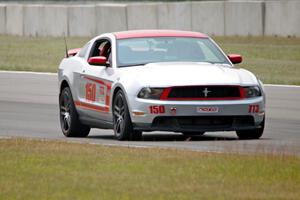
[(123, 128), (186, 133), (69, 121), (251, 134)]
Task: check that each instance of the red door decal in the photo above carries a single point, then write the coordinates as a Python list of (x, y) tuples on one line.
[(90, 91)]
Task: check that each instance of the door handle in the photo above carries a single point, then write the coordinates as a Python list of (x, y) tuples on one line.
[(82, 76)]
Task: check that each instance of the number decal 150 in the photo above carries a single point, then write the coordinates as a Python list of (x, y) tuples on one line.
[(90, 91), (157, 109)]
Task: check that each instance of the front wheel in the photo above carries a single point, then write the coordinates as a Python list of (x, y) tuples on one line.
[(69, 121), (251, 134), (123, 128)]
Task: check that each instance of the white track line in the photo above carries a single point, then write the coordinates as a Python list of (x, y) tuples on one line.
[(288, 86), (55, 74), (28, 72), (134, 146)]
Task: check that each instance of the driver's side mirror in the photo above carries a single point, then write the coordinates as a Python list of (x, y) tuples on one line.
[(235, 58), (98, 60)]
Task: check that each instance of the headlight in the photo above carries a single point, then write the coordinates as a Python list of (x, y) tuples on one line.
[(150, 93), (252, 91)]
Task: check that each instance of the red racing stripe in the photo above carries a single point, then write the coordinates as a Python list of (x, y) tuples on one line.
[(104, 109), (106, 83)]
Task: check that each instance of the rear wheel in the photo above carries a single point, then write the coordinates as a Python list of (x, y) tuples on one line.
[(251, 134), (69, 121), (192, 133), (123, 128)]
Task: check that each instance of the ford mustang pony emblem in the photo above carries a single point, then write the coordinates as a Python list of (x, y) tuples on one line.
[(206, 91)]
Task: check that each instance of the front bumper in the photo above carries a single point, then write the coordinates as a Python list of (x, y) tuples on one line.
[(231, 115), (199, 124)]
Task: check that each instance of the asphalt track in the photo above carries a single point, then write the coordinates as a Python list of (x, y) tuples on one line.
[(29, 108)]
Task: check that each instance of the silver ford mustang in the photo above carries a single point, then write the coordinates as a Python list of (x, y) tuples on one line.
[(157, 80)]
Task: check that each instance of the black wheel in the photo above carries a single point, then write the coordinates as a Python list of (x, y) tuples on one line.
[(123, 128), (69, 122), (251, 134), (193, 133)]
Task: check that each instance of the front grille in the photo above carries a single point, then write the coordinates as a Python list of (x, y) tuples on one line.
[(204, 92), (203, 121)]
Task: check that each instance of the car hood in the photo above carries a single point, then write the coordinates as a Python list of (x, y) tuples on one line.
[(187, 73)]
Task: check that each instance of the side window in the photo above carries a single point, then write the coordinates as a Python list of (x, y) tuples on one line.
[(101, 48), (83, 50)]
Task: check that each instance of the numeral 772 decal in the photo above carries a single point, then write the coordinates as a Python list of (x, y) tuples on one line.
[(253, 109)]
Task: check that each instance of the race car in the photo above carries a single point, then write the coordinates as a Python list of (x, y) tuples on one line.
[(157, 80)]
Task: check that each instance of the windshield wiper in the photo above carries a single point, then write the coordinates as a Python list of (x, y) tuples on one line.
[(206, 62), (214, 63), (223, 64), (133, 65)]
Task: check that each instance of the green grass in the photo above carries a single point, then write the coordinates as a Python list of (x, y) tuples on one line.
[(273, 59), (31, 169), (34, 54)]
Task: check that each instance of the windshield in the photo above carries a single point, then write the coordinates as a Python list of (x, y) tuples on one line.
[(140, 51)]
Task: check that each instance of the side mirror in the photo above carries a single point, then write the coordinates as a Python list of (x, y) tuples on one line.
[(235, 58), (98, 60), (73, 52)]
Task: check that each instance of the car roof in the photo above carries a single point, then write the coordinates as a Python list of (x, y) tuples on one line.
[(157, 33)]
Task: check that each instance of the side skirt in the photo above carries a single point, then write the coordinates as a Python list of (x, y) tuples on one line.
[(95, 123)]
